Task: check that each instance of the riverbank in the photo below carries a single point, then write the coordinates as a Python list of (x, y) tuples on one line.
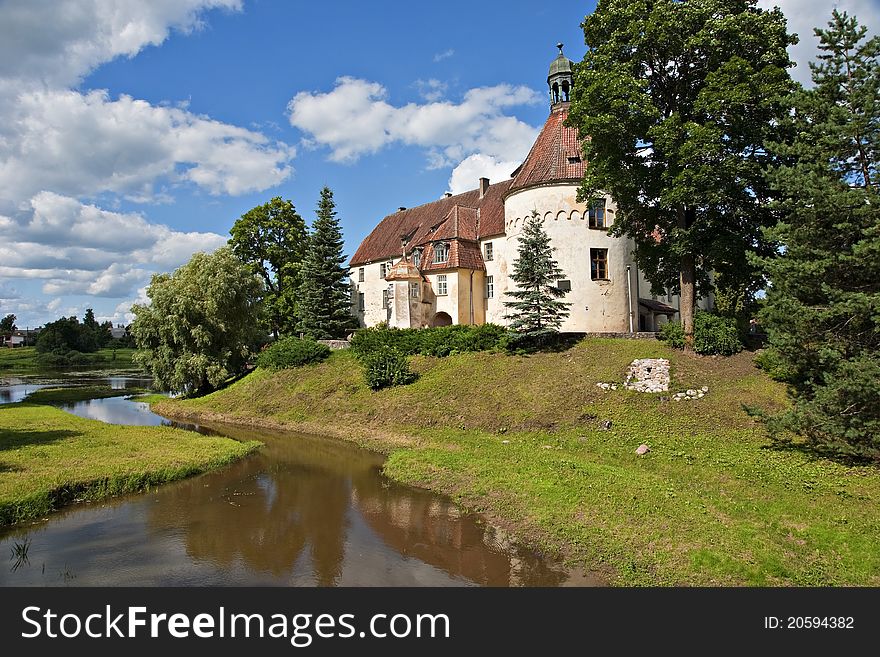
[(49, 458), (523, 440), (24, 360)]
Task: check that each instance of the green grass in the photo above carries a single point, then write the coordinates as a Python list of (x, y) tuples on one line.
[(24, 359), (712, 503), (77, 393), (49, 458)]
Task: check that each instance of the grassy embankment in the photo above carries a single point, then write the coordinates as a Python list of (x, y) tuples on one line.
[(520, 438), (24, 360), (49, 458)]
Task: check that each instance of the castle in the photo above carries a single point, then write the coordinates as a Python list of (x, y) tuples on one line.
[(450, 261)]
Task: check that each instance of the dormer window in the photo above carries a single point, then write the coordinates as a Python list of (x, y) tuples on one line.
[(417, 257), (441, 252)]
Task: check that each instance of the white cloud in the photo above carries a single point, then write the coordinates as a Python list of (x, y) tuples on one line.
[(446, 54), (56, 43), (82, 249), (61, 147), (86, 144), (355, 119), (432, 89), (468, 173), (805, 15)]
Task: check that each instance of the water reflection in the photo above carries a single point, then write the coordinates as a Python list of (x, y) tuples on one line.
[(302, 511)]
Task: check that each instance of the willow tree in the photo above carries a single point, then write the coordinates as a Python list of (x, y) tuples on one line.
[(201, 326), (676, 100)]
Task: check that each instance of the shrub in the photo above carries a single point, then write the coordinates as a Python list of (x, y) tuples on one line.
[(713, 334), (673, 334), (292, 352), (439, 341), (387, 367), (772, 362)]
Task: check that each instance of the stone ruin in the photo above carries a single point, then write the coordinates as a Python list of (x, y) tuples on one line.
[(648, 375)]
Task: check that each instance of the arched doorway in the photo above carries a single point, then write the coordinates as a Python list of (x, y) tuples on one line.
[(441, 319)]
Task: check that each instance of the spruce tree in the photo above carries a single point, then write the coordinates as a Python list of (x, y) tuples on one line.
[(536, 310), (324, 304), (822, 304)]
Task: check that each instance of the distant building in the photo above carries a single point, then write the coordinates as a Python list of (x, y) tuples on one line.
[(12, 341), (450, 261)]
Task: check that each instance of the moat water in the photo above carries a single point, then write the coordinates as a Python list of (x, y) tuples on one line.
[(302, 511)]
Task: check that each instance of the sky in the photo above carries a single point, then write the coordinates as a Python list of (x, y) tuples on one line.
[(133, 134)]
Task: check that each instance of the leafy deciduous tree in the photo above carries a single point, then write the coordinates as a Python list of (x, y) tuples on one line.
[(271, 238), (202, 324), (7, 324), (823, 305), (676, 100)]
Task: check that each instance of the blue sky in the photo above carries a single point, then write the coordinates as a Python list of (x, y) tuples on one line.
[(135, 133)]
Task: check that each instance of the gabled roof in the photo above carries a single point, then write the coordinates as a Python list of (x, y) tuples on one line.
[(463, 216), (555, 155), (463, 254)]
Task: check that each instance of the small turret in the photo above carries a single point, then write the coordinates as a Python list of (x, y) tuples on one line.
[(560, 80)]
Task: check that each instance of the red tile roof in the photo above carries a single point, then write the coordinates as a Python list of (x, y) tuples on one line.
[(476, 218), (463, 254), (555, 156)]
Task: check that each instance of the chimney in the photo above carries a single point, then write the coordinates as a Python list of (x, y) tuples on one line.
[(484, 186)]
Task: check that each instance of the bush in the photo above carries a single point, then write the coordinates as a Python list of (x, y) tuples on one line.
[(772, 362), (64, 358), (673, 334), (387, 367), (439, 341), (292, 352), (713, 334)]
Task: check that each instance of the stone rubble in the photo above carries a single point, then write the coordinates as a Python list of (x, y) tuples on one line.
[(691, 394), (648, 375), (607, 386), (642, 449)]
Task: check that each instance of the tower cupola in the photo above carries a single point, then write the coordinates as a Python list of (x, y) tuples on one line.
[(560, 80)]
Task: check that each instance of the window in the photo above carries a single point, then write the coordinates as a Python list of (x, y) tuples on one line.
[(489, 255), (441, 285), (417, 257), (383, 269), (413, 290), (490, 287), (597, 213), (441, 252), (599, 264), (564, 286), (361, 275), (385, 298), (361, 304)]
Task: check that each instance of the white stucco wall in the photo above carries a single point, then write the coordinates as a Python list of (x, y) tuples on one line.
[(595, 305), (371, 287)]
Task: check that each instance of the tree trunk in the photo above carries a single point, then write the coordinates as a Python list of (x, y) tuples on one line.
[(687, 301), (687, 296)]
